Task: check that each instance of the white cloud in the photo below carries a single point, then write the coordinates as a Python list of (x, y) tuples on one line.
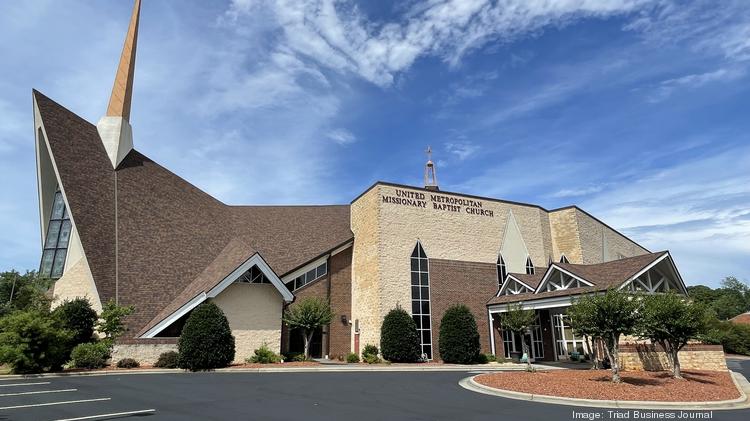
[(338, 36), (692, 81), (462, 149), (342, 136), (576, 192)]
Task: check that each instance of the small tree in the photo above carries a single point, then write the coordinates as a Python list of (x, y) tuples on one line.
[(206, 341), (111, 322), (309, 314), (77, 316), (399, 340), (459, 338), (32, 342), (583, 324), (671, 320), (611, 315), (519, 321), (23, 292)]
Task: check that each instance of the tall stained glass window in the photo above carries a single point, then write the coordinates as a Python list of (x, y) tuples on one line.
[(420, 298), (502, 271), (56, 241)]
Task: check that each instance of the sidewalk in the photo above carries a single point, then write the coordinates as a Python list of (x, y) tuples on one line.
[(323, 368)]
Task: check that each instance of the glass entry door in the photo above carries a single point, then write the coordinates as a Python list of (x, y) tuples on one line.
[(565, 341)]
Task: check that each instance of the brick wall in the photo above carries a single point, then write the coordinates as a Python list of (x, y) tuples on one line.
[(339, 333), (337, 289), (469, 283)]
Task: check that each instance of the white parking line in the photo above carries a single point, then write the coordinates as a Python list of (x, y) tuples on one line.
[(36, 392), (53, 403), (114, 414), (22, 384)]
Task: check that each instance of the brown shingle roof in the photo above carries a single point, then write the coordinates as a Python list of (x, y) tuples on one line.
[(174, 240), (603, 275), (743, 318), (530, 280)]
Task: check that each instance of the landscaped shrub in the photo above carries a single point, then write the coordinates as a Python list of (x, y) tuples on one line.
[(399, 340), (90, 355), (167, 360), (206, 341), (263, 355), (735, 338), (370, 354), (300, 358), (32, 342), (459, 338), (352, 358), (78, 317), (127, 363)]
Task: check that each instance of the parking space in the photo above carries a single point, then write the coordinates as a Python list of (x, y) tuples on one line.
[(56, 399)]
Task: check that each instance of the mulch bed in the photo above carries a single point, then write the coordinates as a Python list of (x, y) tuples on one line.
[(636, 385)]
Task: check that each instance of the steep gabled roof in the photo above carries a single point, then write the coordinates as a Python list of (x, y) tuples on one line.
[(531, 281), (173, 239)]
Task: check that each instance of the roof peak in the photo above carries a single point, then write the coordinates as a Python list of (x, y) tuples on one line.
[(122, 90)]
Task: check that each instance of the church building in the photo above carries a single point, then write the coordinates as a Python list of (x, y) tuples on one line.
[(116, 225)]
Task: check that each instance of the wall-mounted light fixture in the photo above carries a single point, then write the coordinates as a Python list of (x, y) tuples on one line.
[(344, 320)]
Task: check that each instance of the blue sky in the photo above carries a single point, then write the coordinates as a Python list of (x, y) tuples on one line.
[(636, 110)]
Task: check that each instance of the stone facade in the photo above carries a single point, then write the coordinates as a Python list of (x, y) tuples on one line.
[(692, 357), (254, 313), (77, 280), (145, 351), (388, 221)]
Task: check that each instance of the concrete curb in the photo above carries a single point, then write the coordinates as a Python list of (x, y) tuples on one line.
[(343, 368), (739, 403)]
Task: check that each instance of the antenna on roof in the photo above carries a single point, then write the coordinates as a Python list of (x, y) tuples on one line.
[(430, 177)]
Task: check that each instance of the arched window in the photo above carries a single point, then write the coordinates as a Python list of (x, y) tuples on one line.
[(502, 271), (420, 298), (529, 266), (563, 259)]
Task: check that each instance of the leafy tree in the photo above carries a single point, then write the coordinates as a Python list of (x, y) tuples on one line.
[(206, 341), (610, 315), (519, 321), (734, 337), (459, 338), (731, 299), (111, 322), (32, 342), (309, 314), (399, 340), (77, 316), (582, 322), (23, 292), (672, 320)]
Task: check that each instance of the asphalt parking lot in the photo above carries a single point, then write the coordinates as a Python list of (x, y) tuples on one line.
[(278, 396)]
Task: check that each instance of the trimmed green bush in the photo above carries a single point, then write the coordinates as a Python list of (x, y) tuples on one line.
[(459, 338), (206, 341), (734, 337), (370, 354), (263, 355), (399, 340), (33, 342), (127, 363), (90, 355), (167, 360), (78, 317), (352, 358)]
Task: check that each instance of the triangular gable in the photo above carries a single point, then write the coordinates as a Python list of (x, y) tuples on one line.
[(653, 278), (255, 260), (555, 270), (508, 284), (513, 248)]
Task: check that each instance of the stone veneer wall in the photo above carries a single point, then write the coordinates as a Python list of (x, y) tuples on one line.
[(77, 281), (653, 358), (467, 283), (145, 351), (600, 243), (565, 238), (254, 313)]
